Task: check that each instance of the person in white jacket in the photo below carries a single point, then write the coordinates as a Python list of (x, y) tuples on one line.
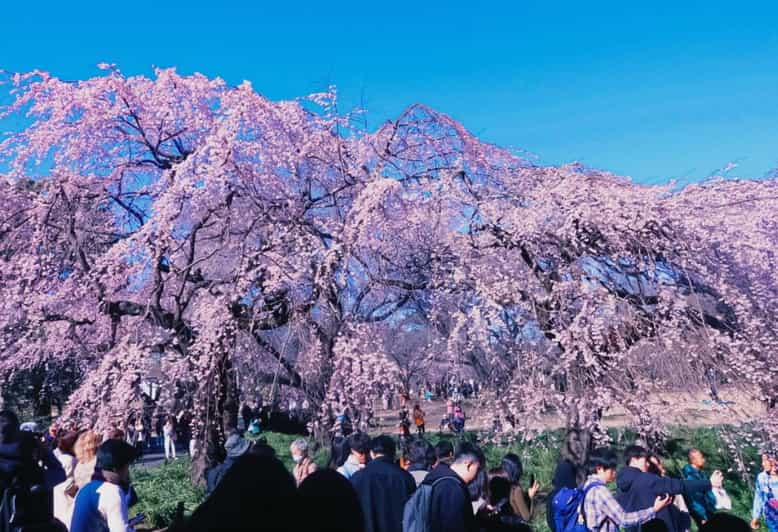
[(169, 437), (102, 505), (64, 492)]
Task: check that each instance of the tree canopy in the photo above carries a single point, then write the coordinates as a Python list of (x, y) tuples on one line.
[(180, 219)]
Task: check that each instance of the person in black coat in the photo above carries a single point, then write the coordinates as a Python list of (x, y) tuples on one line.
[(450, 507), (637, 488), (383, 487)]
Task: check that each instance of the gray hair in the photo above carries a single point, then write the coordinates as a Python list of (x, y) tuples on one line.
[(301, 445)]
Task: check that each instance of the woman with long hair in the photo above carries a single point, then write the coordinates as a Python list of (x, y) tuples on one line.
[(522, 503)]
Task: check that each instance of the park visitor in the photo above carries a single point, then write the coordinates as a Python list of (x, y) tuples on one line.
[(702, 504), (601, 512), (450, 506), (103, 503), (383, 487), (303, 465), (235, 447), (638, 487), (766, 495), (418, 419), (359, 450)]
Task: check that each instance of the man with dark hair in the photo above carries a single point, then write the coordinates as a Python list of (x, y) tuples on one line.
[(359, 447), (421, 455), (702, 504), (637, 488), (383, 487), (601, 510), (102, 504), (450, 507), (444, 452)]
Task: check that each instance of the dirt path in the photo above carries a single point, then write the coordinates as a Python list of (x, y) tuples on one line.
[(693, 409)]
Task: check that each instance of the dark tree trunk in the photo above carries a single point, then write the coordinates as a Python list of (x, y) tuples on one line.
[(220, 415)]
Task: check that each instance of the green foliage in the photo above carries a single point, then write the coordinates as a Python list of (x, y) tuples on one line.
[(281, 443), (161, 488)]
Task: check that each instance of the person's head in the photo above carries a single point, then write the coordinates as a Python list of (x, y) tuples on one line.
[(236, 445), (383, 445), (330, 503), (9, 426), (299, 450), (66, 442), (86, 446), (656, 466), (602, 462), (513, 468), (116, 434), (339, 451), (722, 522), (479, 487), (116, 456), (261, 448), (696, 458), (359, 445), (444, 452), (637, 457), (467, 462), (257, 490), (421, 454), (416, 407), (499, 488)]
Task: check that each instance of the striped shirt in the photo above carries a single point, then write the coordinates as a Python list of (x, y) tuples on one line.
[(603, 512)]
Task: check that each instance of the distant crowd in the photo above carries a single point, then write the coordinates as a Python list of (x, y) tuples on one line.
[(80, 481)]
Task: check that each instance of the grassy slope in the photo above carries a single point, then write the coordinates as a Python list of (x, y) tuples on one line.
[(160, 489)]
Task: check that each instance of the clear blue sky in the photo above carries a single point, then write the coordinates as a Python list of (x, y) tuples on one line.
[(647, 89)]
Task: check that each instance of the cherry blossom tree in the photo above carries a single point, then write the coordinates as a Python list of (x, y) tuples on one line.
[(182, 221)]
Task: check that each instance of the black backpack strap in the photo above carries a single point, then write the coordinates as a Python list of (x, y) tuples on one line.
[(441, 479)]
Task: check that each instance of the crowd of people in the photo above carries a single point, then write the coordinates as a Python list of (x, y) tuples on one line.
[(79, 481), (386, 484)]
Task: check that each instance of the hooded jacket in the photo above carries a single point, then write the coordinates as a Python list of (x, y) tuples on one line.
[(637, 490)]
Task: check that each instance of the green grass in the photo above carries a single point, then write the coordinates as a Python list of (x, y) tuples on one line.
[(161, 488)]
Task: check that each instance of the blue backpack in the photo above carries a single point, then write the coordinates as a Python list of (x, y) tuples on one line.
[(567, 508)]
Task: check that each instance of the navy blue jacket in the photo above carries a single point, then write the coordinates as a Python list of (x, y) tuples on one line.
[(383, 488), (637, 490)]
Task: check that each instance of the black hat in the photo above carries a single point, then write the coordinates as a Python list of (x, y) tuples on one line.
[(115, 454)]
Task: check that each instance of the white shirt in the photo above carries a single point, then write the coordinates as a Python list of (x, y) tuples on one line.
[(63, 503), (100, 507)]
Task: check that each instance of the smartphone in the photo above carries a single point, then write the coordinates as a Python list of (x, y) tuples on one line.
[(531, 479), (137, 519)]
